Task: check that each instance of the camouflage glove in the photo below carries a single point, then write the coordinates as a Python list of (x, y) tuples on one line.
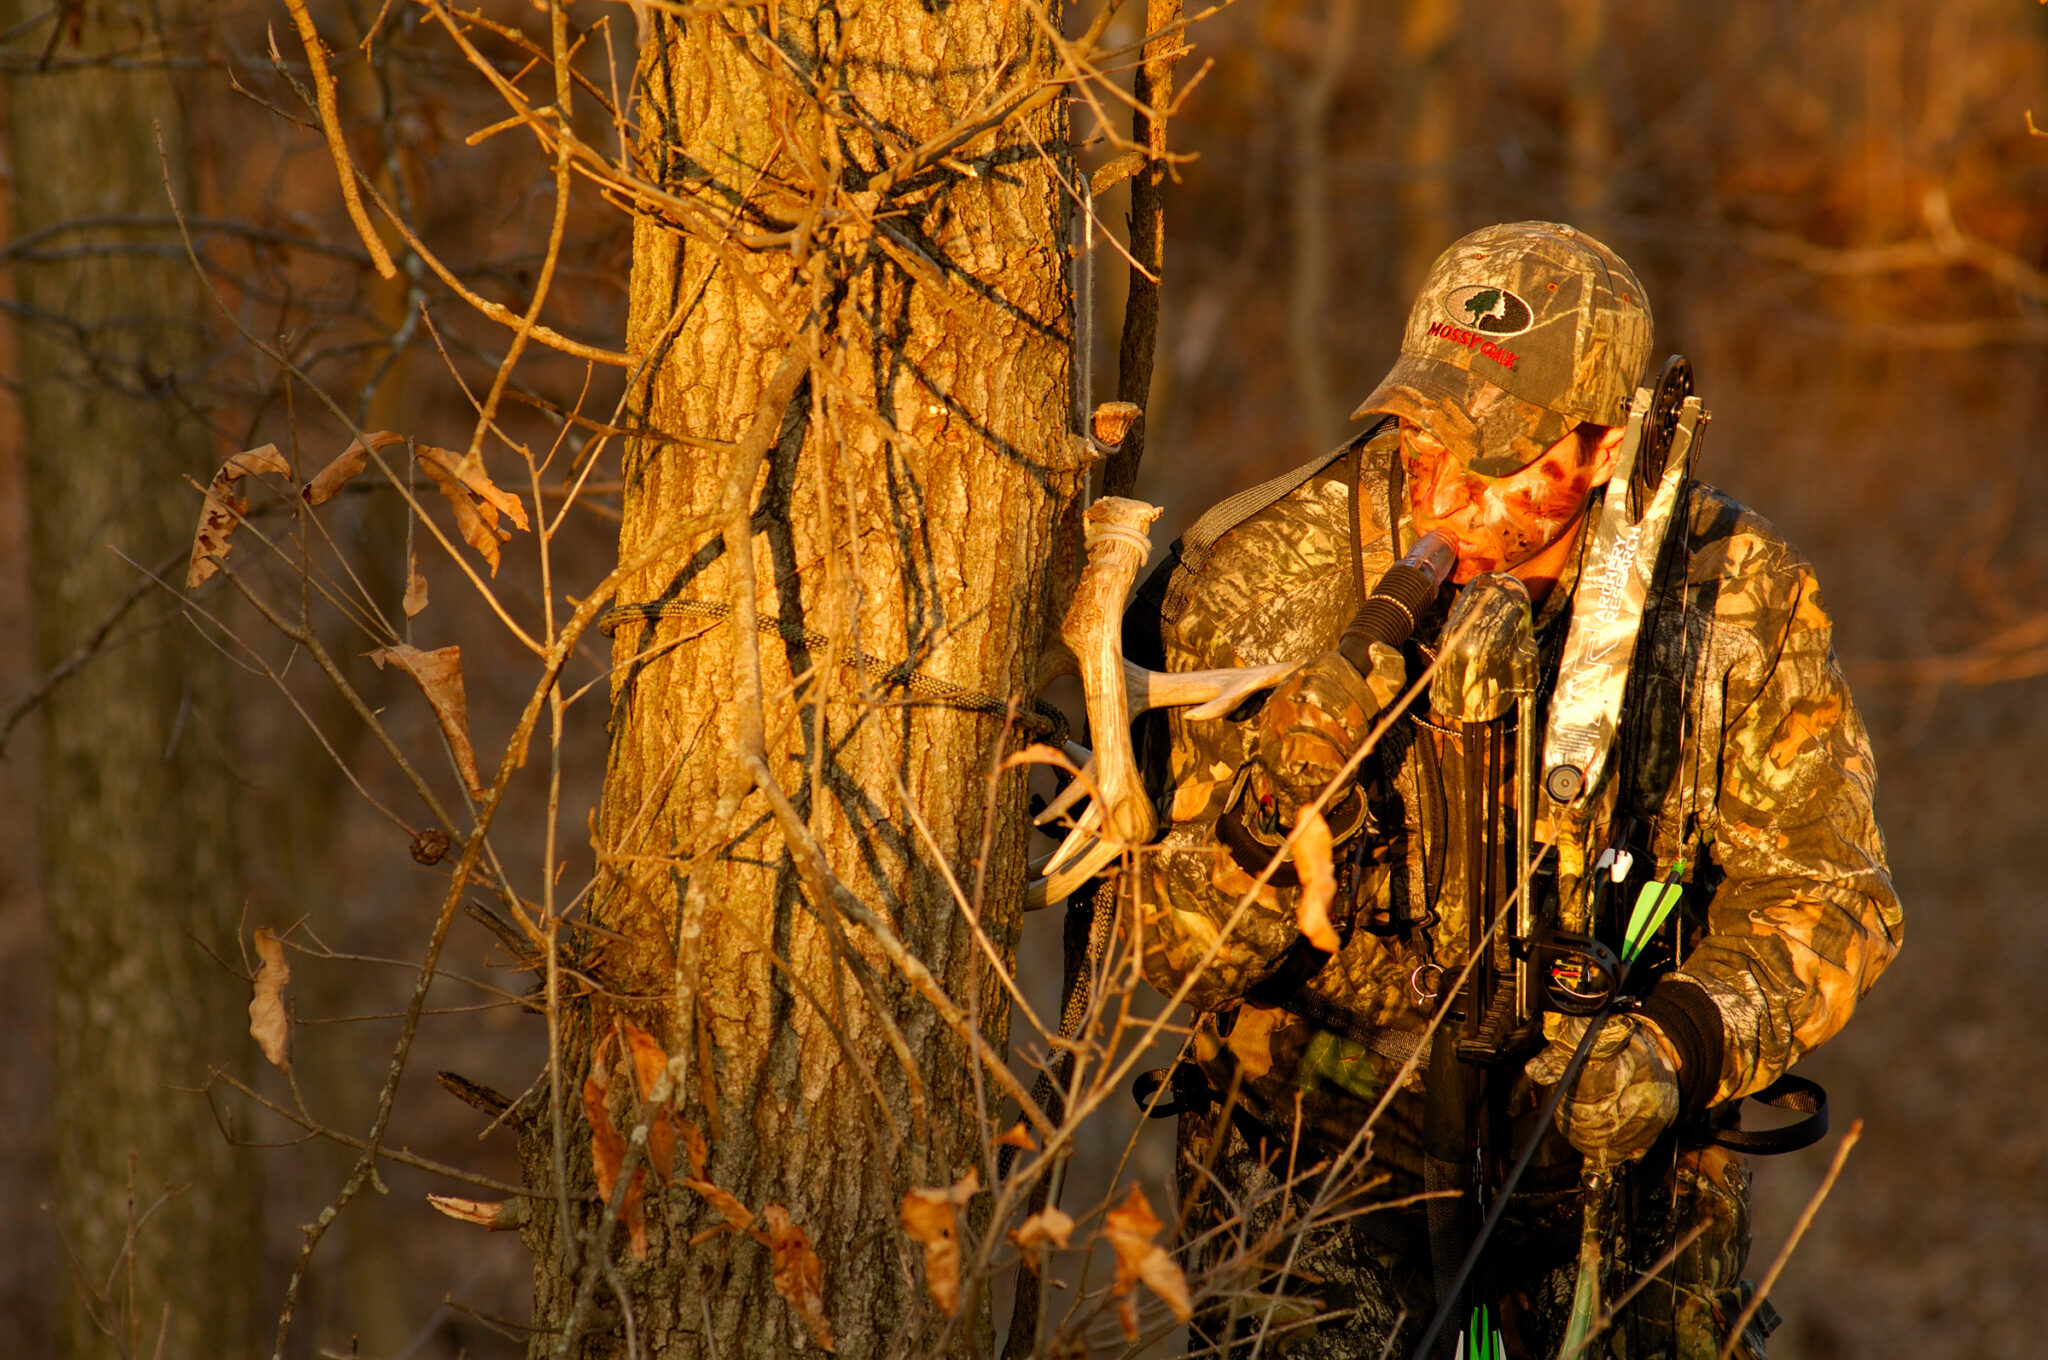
[(1627, 1093), (1310, 725)]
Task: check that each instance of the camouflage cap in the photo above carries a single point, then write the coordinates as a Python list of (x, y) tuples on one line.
[(1521, 332)]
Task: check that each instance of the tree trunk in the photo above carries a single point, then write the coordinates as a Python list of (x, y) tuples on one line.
[(1426, 136), (905, 506), (1588, 126), (137, 863), (1309, 100)]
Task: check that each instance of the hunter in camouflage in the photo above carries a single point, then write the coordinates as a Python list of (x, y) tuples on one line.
[(1750, 767)]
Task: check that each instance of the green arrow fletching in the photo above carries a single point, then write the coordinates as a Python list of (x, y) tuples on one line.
[(1480, 1341), (1653, 904)]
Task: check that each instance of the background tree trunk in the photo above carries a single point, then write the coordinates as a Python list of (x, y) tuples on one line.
[(136, 800), (1310, 97), (1588, 124), (906, 507), (1426, 134)]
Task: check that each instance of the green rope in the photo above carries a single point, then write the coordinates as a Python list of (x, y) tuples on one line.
[(1041, 719)]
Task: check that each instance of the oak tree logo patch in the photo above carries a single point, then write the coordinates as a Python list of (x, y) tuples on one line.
[(1489, 310)]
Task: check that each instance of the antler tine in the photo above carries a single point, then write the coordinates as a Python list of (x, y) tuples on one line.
[(1074, 792), (1093, 630), (1087, 827), (1058, 886)]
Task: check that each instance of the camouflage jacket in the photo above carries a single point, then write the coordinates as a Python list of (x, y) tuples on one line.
[(1752, 764)]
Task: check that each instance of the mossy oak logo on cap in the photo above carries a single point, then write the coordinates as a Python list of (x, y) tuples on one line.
[(1489, 310)]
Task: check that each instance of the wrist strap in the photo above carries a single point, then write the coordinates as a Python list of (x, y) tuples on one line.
[(1689, 1018)]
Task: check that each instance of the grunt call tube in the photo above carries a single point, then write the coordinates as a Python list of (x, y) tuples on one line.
[(1390, 612)]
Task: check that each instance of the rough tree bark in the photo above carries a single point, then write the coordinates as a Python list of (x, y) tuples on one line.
[(906, 504), (136, 794)]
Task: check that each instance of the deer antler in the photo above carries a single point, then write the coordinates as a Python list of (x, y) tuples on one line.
[(1116, 692), (1121, 814)]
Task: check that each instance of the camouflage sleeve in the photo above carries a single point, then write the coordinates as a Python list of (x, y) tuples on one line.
[(1806, 917), (1208, 922)]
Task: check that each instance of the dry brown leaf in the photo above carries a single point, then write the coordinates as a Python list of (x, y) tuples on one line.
[(269, 1025), (439, 675), (649, 1058), (1017, 1136), (1312, 854), (694, 1148), (736, 1214), (649, 1062), (353, 459), (1130, 1228), (661, 1146), (928, 1218), (415, 601), (1047, 1225), (498, 1215), (799, 1275), (608, 1155), (477, 502), (607, 1147), (223, 510), (634, 1213)]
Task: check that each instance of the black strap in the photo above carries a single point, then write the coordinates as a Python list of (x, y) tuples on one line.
[(1786, 1093), (1690, 1019), (1190, 1090)]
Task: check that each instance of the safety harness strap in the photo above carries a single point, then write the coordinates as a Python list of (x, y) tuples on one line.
[(1194, 547)]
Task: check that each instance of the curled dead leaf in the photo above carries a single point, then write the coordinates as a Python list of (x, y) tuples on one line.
[(650, 1063), (1048, 1226), (351, 461), (607, 1148), (1129, 1229), (439, 676), (415, 601), (1312, 853), (799, 1275), (634, 1212), (694, 1147), (223, 510), (649, 1058), (503, 1215), (269, 1025), (478, 503), (1017, 1136), (608, 1157), (728, 1207), (928, 1217)]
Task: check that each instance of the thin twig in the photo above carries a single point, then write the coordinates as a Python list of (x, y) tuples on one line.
[(1763, 1288), (337, 144)]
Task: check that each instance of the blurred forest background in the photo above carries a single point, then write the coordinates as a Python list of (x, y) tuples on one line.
[(1839, 212)]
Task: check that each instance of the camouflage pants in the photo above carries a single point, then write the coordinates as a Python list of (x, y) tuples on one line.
[(1359, 1285)]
